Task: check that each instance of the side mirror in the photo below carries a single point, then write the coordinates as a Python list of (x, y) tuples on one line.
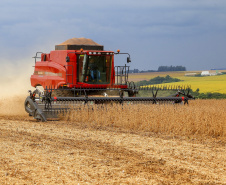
[(67, 59), (128, 60)]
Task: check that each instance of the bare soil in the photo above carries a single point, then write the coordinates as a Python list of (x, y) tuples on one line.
[(60, 152)]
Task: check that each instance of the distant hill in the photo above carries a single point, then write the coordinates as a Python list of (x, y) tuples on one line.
[(219, 69)]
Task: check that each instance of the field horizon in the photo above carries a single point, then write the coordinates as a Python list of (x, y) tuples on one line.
[(205, 84)]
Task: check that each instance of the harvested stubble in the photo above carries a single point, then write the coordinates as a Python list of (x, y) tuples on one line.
[(200, 118)]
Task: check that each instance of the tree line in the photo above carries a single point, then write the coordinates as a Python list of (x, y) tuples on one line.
[(157, 80), (171, 68)]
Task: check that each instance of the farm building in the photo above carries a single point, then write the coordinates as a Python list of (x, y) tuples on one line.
[(190, 74), (205, 73)]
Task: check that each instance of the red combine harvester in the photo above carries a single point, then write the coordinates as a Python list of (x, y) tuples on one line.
[(79, 70)]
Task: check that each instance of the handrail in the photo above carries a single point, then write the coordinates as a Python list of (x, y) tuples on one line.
[(36, 56)]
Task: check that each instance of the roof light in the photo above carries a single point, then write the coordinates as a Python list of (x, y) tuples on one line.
[(118, 50), (81, 50)]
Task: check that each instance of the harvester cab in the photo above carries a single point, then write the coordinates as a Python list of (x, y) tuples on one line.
[(80, 70)]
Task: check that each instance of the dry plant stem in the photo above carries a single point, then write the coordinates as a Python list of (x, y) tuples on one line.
[(200, 117)]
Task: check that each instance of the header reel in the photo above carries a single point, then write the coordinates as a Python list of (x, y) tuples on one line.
[(42, 105)]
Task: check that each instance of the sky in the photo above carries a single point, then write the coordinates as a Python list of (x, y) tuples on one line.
[(191, 33)]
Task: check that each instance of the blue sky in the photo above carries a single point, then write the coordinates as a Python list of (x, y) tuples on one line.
[(191, 33)]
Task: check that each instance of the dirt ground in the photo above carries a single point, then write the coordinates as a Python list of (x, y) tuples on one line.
[(59, 152)]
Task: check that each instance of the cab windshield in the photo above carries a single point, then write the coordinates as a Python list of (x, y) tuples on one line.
[(94, 69)]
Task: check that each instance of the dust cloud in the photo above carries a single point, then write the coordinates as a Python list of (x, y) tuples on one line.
[(15, 83)]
